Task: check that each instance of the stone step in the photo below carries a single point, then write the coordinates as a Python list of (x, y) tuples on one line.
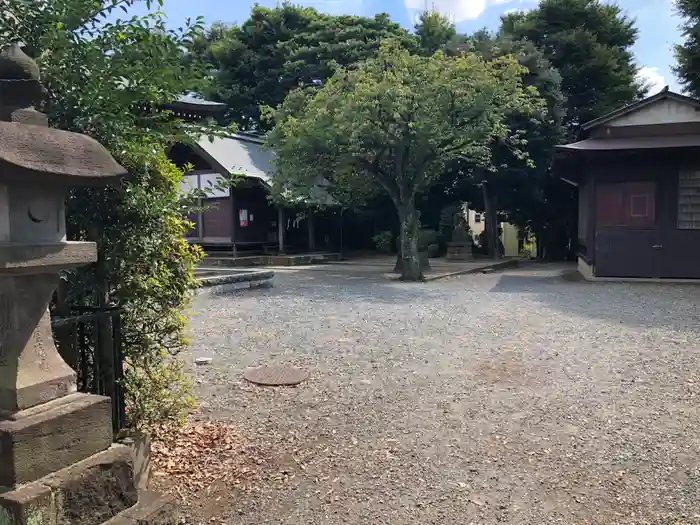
[(152, 509)]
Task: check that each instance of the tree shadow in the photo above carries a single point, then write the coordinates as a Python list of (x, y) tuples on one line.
[(648, 305), (333, 285)]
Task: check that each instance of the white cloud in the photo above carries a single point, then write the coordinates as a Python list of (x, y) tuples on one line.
[(652, 77), (457, 10), (517, 10)]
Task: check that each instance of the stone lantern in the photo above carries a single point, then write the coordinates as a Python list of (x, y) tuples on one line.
[(49, 433)]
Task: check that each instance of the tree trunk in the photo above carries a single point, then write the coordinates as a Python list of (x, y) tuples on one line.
[(491, 226), (410, 267)]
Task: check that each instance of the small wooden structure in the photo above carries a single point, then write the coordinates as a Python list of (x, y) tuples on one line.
[(238, 216), (637, 170)]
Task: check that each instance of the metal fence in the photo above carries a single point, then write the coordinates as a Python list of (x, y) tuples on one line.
[(90, 340)]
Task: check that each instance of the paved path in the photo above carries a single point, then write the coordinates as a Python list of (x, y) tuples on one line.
[(513, 397)]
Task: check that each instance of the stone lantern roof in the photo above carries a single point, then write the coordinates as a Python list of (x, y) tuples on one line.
[(29, 149)]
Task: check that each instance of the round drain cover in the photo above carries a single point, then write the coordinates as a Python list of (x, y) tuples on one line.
[(275, 375)]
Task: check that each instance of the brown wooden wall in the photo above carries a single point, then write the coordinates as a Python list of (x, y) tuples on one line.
[(642, 250), (216, 219), (254, 199), (221, 216)]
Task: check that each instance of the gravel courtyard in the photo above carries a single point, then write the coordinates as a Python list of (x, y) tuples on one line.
[(513, 397)]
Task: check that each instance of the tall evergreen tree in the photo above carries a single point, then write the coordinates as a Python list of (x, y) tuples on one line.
[(590, 43), (279, 49), (434, 31), (688, 53)]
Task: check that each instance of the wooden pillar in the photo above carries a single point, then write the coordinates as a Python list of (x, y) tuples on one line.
[(341, 231), (281, 228), (310, 228), (234, 222), (200, 213)]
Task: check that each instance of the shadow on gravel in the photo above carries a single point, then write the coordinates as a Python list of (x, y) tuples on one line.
[(331, 287), (649, 305)]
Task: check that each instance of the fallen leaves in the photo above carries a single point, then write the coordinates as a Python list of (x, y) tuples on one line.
[(200, 455)]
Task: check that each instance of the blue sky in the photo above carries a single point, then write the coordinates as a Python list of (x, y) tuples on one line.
[(656, 20)]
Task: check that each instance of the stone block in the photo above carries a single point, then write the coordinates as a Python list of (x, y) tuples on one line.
[(31, 370), (33, 258), (49, 437), (28, 505), (94, 490), (459, 251), (154, 509), (140, 445)]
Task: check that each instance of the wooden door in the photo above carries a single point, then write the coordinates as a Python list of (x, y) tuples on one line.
[(627, 235)]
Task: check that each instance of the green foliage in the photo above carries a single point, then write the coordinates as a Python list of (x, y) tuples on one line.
[(108, 79), (688, 53), (590, 43), (277, 50), (516, 182), (384, 241), (392, 125), (434, 31), (428, 238)]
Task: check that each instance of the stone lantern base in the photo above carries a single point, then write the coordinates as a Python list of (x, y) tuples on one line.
[(459, 251), (58, 465), (99, 490)]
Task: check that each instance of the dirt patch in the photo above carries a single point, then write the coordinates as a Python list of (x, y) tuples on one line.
[(505, 368)]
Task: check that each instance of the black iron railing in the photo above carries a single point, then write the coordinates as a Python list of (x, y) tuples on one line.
[(90, 340)]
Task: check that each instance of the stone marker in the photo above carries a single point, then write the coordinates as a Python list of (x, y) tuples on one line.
[(460, 247), (57, 461)]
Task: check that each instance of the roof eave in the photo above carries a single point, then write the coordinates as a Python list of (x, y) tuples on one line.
[(665, 93)]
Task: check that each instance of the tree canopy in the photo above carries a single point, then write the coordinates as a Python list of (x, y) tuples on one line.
[(434, 30), (514, 185), (107, 76), (688, 52), (392, 125), (277, 50), (590, 43)]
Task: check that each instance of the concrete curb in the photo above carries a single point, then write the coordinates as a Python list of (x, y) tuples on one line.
[(501, 265), (232, 282)]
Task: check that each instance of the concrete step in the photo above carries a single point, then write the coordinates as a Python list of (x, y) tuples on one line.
[(152, 509)]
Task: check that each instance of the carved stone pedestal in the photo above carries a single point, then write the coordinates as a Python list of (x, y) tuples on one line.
[(99, 490), (459, 251)]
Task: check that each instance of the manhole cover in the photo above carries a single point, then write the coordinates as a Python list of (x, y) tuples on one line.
[(275, 375)]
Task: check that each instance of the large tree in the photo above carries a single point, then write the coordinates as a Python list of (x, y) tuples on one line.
[(434, 30), (280, 49), (393, 124), (514, 185), (590, 43), (688, 53)]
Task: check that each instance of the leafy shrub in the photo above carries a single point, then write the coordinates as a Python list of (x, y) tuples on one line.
[(383, 241), (428, 237), (106, 77)]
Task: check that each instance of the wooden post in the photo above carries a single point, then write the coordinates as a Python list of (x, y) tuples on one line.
[(200, 213), (341, 231), (310, 228), (234, 219), (281, 228)]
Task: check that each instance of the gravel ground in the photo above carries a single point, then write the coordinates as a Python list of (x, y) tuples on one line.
[(513, 397)]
